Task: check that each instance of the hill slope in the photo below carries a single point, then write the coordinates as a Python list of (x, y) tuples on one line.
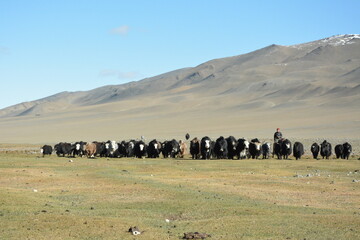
[(311, 89)]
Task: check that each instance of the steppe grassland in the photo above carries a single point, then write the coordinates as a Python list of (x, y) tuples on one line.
[(54, 198)]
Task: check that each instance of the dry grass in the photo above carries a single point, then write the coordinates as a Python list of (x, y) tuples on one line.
[(248, 199)]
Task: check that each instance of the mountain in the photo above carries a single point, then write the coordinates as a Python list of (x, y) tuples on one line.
[(311, 89)]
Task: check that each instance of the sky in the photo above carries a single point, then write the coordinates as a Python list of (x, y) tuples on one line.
[(47, 47)]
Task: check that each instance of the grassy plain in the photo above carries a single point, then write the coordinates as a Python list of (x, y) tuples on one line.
[(53, 198)]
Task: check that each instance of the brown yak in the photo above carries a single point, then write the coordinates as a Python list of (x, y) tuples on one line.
[(90, 150)]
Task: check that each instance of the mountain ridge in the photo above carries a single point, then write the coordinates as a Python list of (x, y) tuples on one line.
[(312, 80), (272, 54)]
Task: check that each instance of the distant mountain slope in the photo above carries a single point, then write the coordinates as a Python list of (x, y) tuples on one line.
[(309, 90), (323, 68)]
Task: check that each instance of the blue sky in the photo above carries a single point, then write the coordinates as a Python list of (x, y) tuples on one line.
[(47, 47)]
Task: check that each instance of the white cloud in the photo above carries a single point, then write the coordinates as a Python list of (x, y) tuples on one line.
[(119, 74), (128, 75), (122, 30), (4, 50), (108, 73)]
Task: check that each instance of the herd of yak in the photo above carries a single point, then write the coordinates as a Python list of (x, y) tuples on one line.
[(205, 148)]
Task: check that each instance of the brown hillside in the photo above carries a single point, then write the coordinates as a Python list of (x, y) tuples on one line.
[(309, 90)]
